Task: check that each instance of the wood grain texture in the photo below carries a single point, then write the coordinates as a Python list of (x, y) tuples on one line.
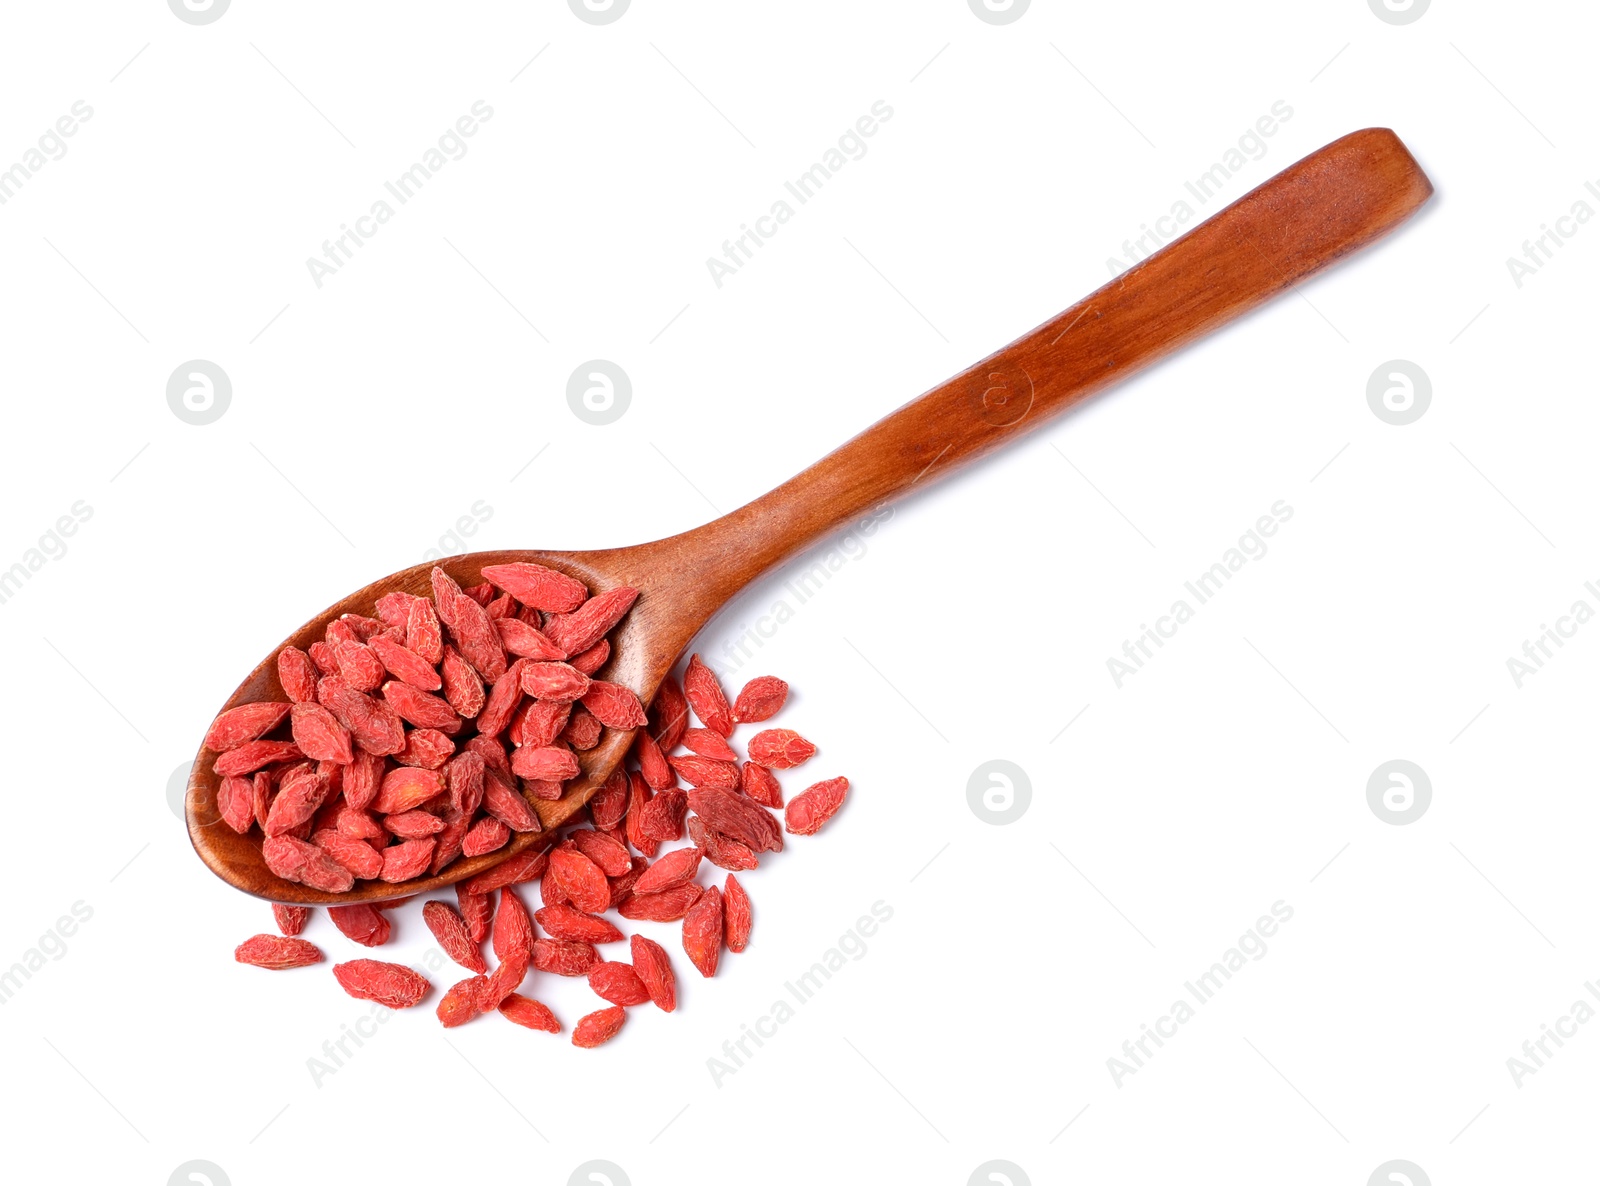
[(1320, 209)]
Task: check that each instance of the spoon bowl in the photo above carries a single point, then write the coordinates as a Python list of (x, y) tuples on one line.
[(1315, 212)]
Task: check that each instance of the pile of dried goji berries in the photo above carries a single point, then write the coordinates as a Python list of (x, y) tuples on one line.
[(401, 785)]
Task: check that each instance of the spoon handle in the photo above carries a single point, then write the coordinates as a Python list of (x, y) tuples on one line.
[(1338, 199)]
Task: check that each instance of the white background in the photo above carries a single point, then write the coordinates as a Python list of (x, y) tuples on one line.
[(370, 413)]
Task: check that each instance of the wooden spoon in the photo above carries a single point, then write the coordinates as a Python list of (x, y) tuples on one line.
[(1336, 200)]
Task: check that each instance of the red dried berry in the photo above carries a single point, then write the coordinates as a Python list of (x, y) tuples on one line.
[(513, 929), (581, 881), (291, 920), (487, 835), (760, 784), (605, 851), (705, 772), (669, 714), (236, 804), (568, 922), (735, 914), (709, 744), (661, 819), (277, 952), (423, 636), (599, 1027), (672, 870), (319, 734), (614, 705), (655, 972), (554, 681), (535, 585), (406, 787), (735, 816), (722, 851), (668, 906), (591, 621), (564, 957), (245, 723), (815, 806), (760, 700), (253, 755), (529, 1013), (451, 933), (706, 697), (780, 749), (528, 865), (618, 983), (408, 859), (477, 909), (462, 1002), (361, 923), (702, 931), (297, 674), (393, 985)]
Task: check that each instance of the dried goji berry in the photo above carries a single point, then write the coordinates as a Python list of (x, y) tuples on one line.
[(760, 784), (277, 952), (735, 914), (709, 744), (487, 835), (580, 880), (531, 1014), (245, 723), (669, 714), (614, 705), (568, 922), (736, 816), (702, 931), (550, 763), (668, 906), (361, 923), (706, 697), (760, 700), (564, 957), (655, 972), (606, 851), (534, 584), (722, 851), (408, 859), (618, 983), (297, 674), (393, 985), (598, 1027), (676, 868), (291, 920), (705, 772), (815, 806), (462, 1002), (477, 910), (780, 749), (591, 621)]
